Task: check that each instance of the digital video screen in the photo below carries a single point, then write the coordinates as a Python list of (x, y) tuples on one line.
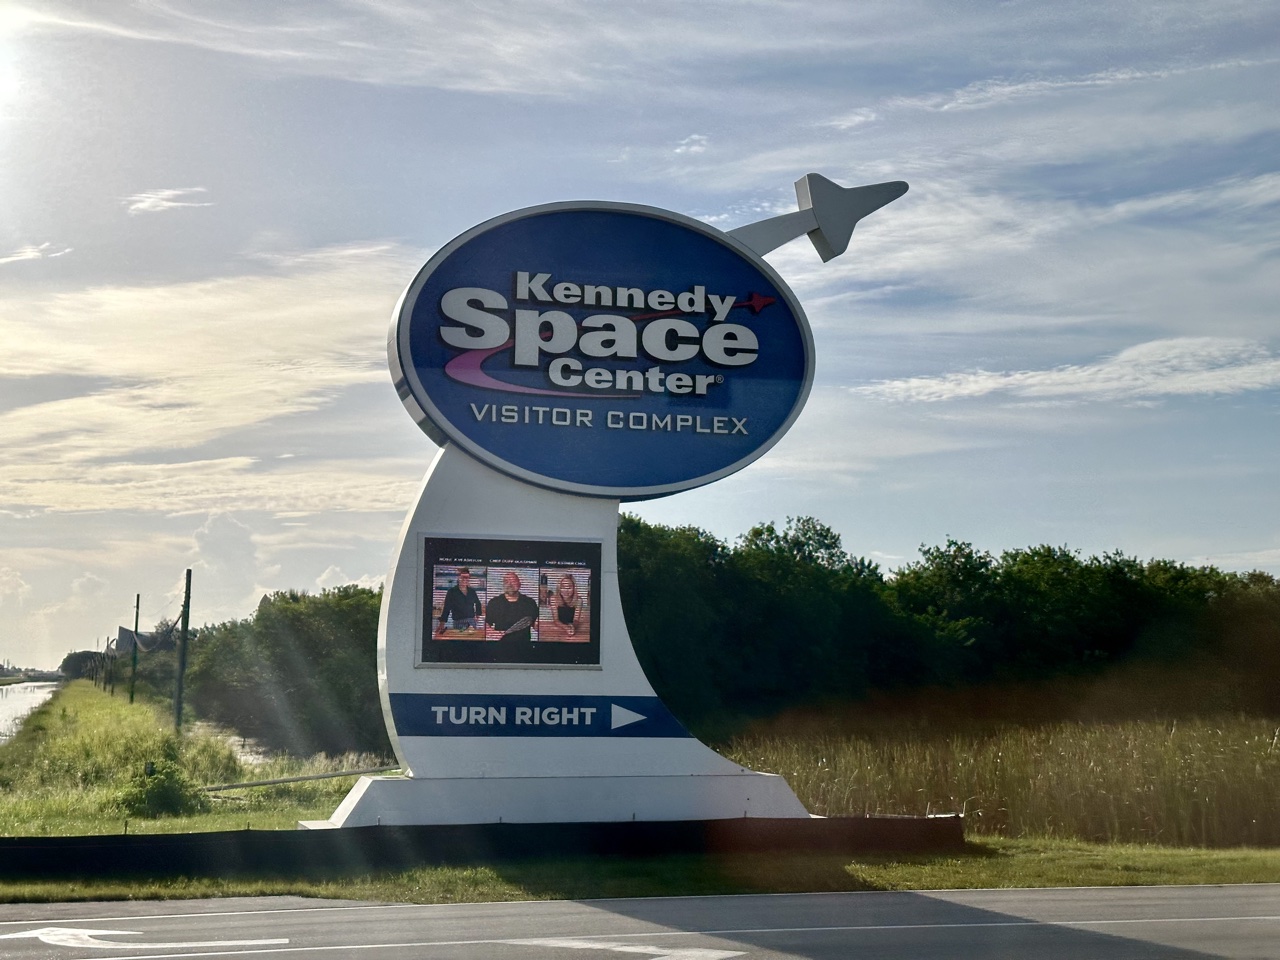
[(510, 601)]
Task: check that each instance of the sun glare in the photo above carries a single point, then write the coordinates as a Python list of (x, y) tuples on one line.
[(9, 82), (12, 20)]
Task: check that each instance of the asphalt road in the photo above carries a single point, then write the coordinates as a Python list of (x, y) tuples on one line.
[(1134, 923)]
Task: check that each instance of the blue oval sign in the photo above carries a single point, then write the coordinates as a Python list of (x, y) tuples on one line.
[(606, 349)]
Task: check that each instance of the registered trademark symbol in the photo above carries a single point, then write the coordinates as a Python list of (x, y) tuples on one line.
[(719, 378)]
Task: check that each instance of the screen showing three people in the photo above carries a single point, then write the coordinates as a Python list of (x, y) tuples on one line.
[(523, 602)]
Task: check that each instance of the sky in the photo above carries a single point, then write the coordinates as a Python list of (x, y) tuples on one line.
[(1066, 333)]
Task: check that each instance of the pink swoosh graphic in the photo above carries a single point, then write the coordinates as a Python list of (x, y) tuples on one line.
[(466, 368)]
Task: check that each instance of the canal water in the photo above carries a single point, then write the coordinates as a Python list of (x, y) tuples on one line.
[(19, 699)]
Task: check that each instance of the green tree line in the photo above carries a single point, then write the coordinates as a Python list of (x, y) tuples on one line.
[(299, 674), (786, 618)]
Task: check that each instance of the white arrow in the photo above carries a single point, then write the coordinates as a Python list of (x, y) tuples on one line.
[(659, 953), (76, 937), (828, 213), (621, 716)]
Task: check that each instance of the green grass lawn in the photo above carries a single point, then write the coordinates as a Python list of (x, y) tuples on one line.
[(985, 864)]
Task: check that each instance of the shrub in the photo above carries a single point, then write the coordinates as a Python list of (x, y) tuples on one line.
[(162, 789)]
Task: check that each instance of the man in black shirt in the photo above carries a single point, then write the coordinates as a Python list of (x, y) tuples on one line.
[(511, 612), (461, 604)]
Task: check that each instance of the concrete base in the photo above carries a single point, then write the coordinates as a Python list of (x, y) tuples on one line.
[(401, 801)]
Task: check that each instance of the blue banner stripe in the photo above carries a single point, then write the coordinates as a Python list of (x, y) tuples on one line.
[(481, 715)]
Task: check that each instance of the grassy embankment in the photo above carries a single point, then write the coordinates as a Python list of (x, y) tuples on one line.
[(5, 681), (1043, 793), (76, 767)]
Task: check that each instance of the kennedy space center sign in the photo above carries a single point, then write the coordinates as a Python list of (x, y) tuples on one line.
[(605, 349), (566, 357)]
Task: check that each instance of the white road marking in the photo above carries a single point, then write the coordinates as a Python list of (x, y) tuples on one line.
[(659, 953), (128, 918), (80, 937), (655, 934), (940, 894)]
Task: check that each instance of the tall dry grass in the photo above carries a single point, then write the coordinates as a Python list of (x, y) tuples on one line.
[(1204, 782)]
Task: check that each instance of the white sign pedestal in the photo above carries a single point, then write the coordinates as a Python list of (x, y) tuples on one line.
[(612, 773)]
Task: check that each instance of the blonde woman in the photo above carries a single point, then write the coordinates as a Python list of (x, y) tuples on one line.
[(568, 611)]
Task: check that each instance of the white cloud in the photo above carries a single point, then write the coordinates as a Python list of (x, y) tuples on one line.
[(854, 118), (955, 257), (1268, 559), (199, 486), (580, 46), (838, 439), (158, 201), (225, 560), (13, 587), (87, 588), (695, 143), (484, 46), (44, 251), (1121, 114), (997, 92), (1184, 366), (333, 576), (192, 361), (197, 365)]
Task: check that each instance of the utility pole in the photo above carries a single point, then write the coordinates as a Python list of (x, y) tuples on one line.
[(182, 655), (133, 673)]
